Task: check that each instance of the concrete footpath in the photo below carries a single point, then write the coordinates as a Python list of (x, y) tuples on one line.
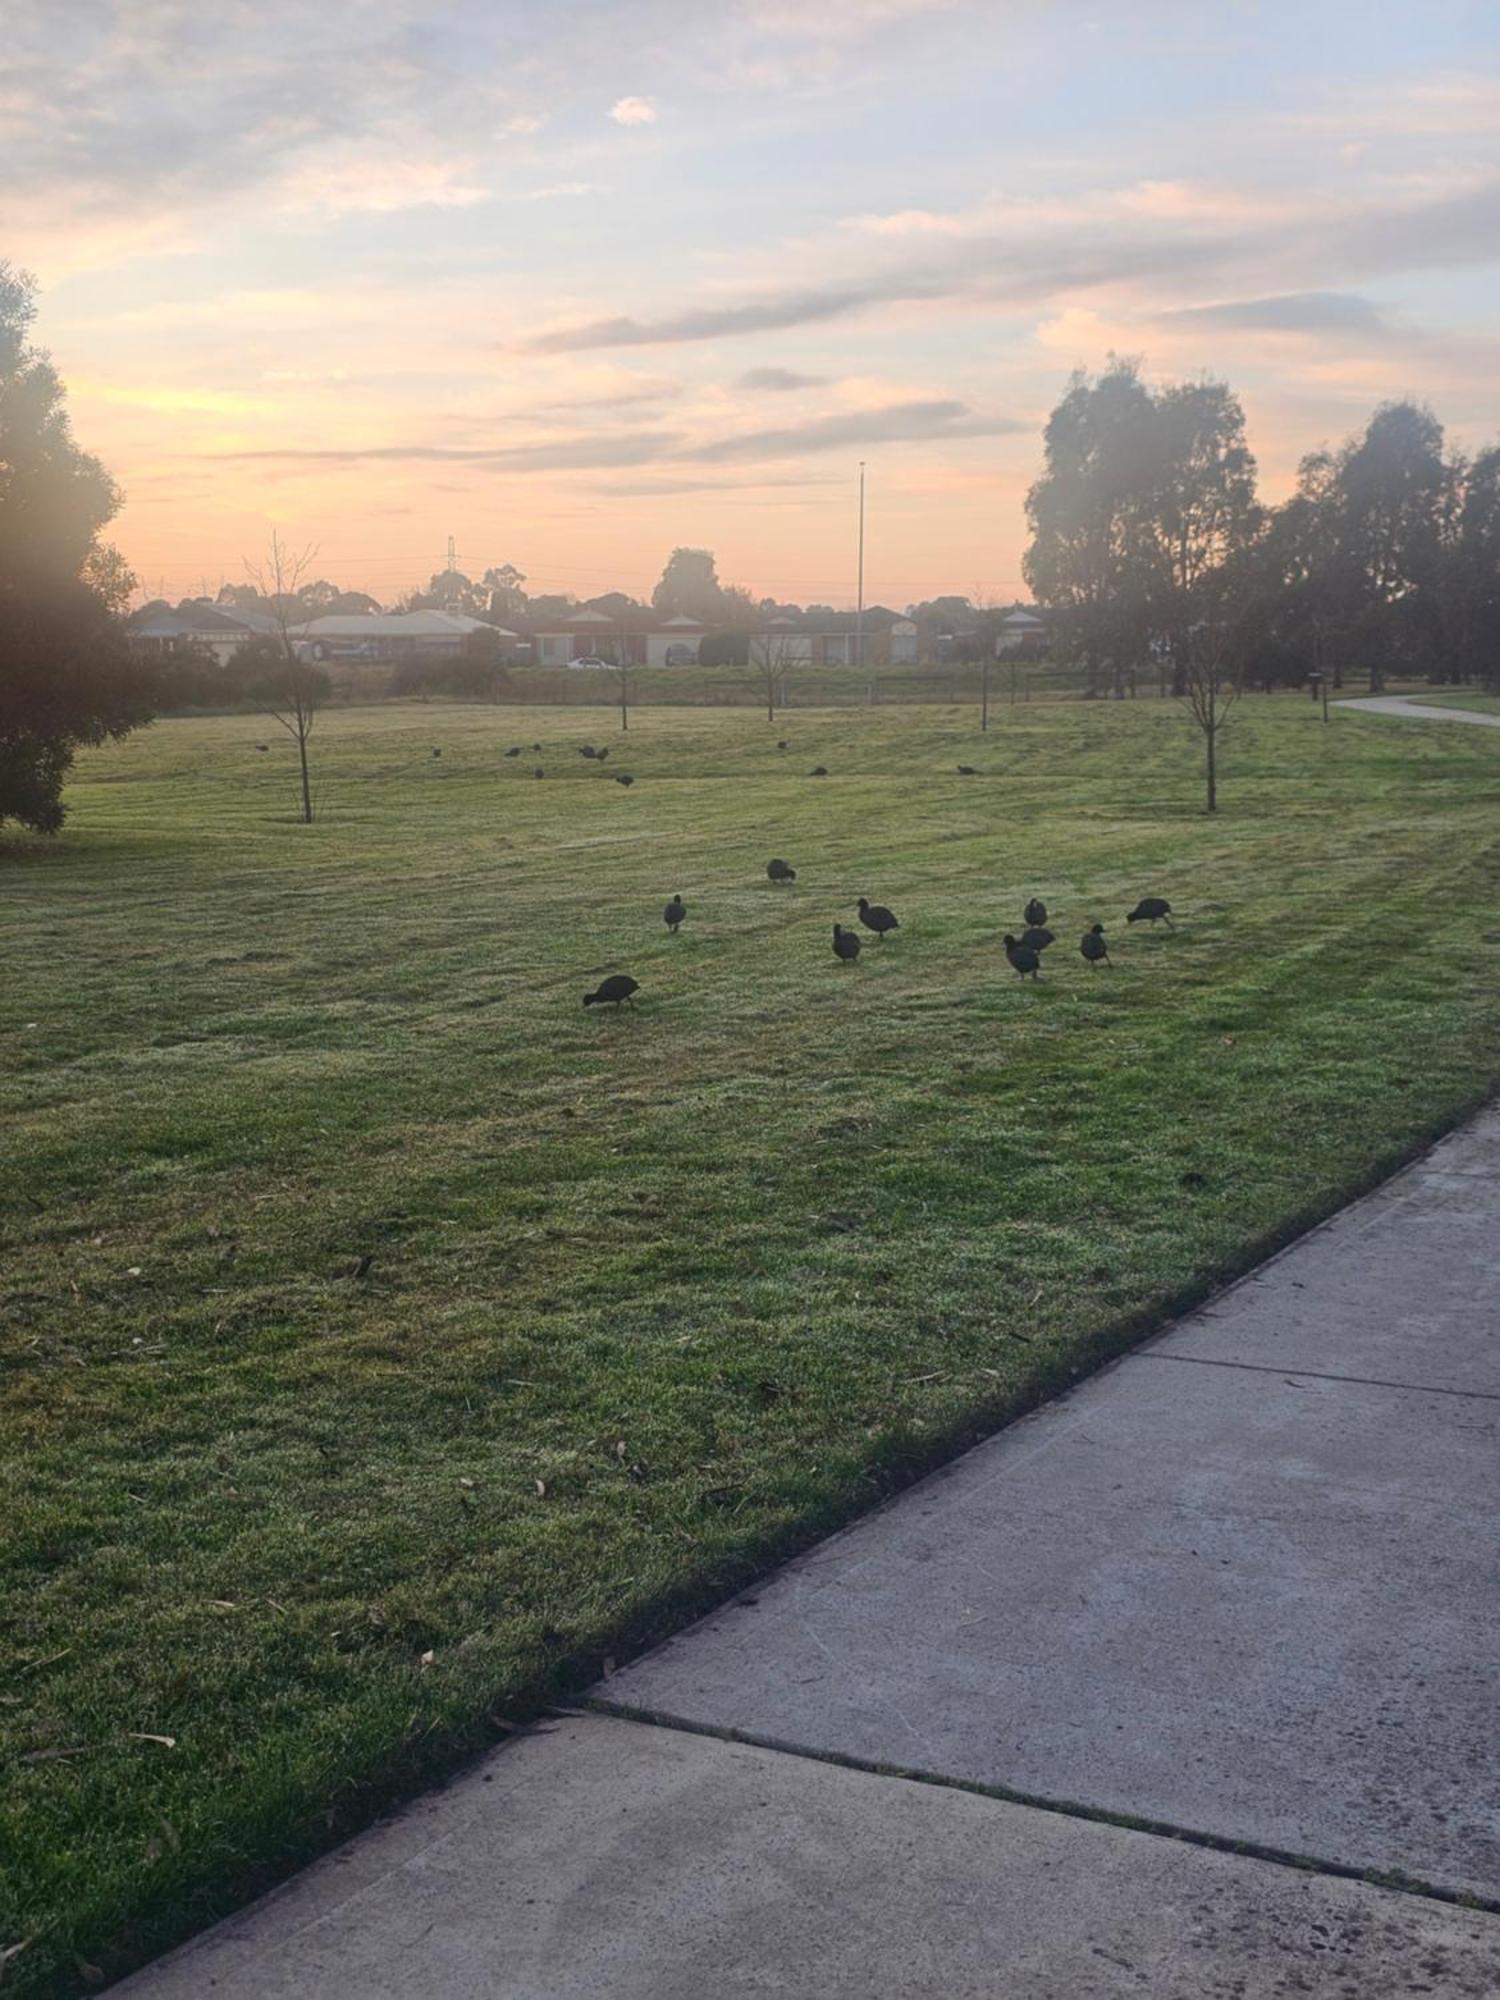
[(1418, 711), (1240, 1589)]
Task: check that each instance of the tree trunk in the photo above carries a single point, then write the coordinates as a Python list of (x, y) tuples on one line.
[(307, 811), (1209, 738), (984, 695)]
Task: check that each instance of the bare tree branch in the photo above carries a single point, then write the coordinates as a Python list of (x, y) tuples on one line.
[(292, 698)]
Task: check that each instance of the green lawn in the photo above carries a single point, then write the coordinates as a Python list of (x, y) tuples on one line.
[(386, 1339)]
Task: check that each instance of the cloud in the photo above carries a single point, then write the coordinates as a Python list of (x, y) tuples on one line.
[(838, 20), (931, 420), (379, 179), (769, 315), (899, 423), (645, 489), (1147, 234), (1445, 105), (1291, 312), (563, 455), (633, 111), (778, 379)]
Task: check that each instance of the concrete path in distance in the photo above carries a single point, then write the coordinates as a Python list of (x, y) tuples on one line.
[(1418, 711), (1240, 1587)]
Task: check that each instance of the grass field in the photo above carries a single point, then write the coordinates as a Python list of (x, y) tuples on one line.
[(387, 1340), (1483, 704)]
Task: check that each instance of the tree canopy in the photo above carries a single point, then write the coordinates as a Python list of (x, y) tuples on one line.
[(66, 676), (690, 588), (1146, 504)]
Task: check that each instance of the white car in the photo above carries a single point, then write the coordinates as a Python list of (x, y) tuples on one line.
[(590, 660)]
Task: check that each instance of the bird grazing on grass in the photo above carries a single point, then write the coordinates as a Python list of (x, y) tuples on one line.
[(1024, 957), (876, 917), (536, 749), (782, 744), (845, 944), (587, 750), (437, 753), (262, 746), (624, 778), (612, 991), (601, 755), (674, 913), (967, 771), (818, 771), (1093, 947), (1152, 910), (539, 772), (1035, 911), (514, 750), (1038, 937), (780, 872)]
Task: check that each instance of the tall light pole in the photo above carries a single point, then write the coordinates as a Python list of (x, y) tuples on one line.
[(859, 603)]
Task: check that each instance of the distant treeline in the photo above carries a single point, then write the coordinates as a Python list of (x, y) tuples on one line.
[(1149, 545)]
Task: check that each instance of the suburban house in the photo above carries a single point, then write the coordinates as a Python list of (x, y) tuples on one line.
[(674, 642), (157, 628), (392, 635), (1022, 634), (581, 635), (644, 639), (836, 639)]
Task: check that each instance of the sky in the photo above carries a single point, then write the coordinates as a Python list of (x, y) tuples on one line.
[(575, 283)]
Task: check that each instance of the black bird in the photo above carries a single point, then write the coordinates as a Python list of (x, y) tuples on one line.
[(845, 944), (619, 986), (818, 771), (674, 913), (1150, 910), (538, 772), (1022, 956), (1093, 947), (262, 746), (876, 917), (779, 872), (514, 750), (967, 771), (437, 753), (587, 750), (536, 749), (624, 778), (1038, 937), (782, 744), (601, 755), (1035, 911)]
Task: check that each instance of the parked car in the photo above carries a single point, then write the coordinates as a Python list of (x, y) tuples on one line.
[(682, 656), (590, 660)]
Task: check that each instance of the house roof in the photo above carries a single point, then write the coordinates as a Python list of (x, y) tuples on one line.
[(160, 621), (397, 625), (1021, 616)]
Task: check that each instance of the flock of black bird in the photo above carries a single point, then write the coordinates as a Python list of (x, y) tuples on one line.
[(1024, 952)]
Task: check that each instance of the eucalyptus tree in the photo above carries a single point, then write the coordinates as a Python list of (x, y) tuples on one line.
[(66, 675)]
